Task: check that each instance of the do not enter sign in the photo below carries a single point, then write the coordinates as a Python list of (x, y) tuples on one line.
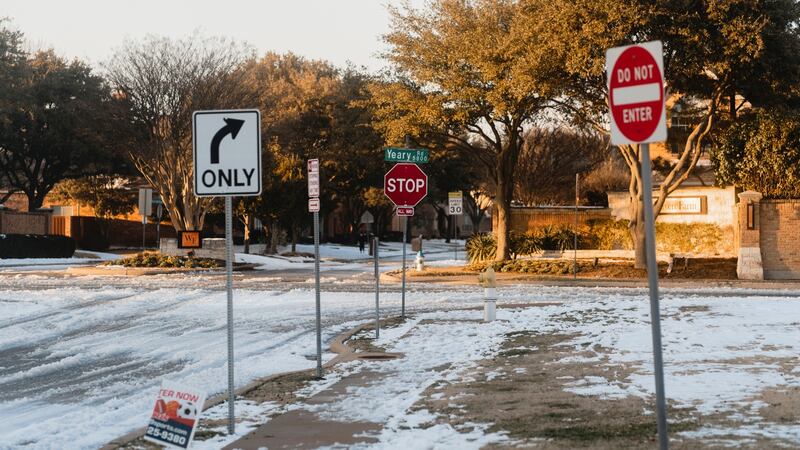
[(636, 93), (405, 184)]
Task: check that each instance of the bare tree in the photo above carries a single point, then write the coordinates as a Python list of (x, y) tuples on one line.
[(162, 82), (549, 160)]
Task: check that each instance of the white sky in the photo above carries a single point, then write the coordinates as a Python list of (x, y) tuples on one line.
[(335, 30)]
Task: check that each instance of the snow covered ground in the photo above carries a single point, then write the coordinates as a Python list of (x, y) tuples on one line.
[(710, 345), (29, 264), (81, 358)]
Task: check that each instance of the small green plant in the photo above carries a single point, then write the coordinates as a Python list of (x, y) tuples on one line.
[(481, 247), (524, 244)]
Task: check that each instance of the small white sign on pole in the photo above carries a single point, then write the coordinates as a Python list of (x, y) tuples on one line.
[(145, 202), (313, 204), (455, 203), (313, 178)]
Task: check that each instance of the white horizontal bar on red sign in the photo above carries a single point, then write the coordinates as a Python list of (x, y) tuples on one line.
[(641, 93), (405, 211)]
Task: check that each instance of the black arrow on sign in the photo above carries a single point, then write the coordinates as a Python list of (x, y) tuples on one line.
[(232, 127)]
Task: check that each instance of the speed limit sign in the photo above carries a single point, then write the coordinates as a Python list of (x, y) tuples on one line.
[(455, 203)]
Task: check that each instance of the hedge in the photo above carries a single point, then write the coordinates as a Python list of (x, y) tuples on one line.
[(36, 246), (695, 238), (148, 259)]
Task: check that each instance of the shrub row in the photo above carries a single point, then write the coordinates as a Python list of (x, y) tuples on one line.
[(159, 260), (697, 238), (541, 267), (36, 246)]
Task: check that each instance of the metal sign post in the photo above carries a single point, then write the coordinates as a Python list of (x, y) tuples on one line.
[(635, 76), (575, 233), (227, 162), (455, 207), (455, 240), (377, 288), (655, 313), (316, 289), (403, 288), (314, 206), (229, 288), (145, 209)]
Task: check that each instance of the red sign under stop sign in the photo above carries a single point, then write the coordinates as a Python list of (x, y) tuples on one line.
[(405, 184), (636, 93)]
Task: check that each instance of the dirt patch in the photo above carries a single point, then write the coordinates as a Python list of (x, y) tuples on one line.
[(281, 389), (783, 405), (682, 268), (528, 392), (363, 341), (521, 392)]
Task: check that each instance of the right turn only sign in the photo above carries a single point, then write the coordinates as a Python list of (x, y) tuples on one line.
[(636, 93)]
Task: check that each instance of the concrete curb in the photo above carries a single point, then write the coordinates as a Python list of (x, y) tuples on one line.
[(338, 346), (139, 271)]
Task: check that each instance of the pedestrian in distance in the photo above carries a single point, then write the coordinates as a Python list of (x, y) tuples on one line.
[(362, 241)]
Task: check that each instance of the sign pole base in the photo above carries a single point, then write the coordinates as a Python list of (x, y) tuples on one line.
[(655, 313)]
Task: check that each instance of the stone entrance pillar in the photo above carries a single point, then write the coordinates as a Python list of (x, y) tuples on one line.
[(749, 266)]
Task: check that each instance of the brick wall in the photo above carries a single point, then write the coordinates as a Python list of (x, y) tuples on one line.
[(526, 218), (779, 224), (14, 222), (87, 231)]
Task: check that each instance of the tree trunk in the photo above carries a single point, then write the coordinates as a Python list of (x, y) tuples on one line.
[(639, 241), (35, 200), (506, 162), (270, 233), (295, 234)]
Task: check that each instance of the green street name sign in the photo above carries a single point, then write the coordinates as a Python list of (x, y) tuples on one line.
[(412, 155)]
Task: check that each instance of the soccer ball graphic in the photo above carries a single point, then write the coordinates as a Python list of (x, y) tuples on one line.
[(187, 410)]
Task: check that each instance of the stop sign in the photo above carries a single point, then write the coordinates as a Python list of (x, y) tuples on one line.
[(405, 184), (636, 93)]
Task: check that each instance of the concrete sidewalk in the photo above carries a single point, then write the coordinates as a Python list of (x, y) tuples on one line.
[(303, 428)]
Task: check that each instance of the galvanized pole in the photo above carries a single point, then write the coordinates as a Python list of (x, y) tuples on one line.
[(377, 289), (575, 233), (655, 313), (455, 239), (403, 288), (229, 287), (316, 284)]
